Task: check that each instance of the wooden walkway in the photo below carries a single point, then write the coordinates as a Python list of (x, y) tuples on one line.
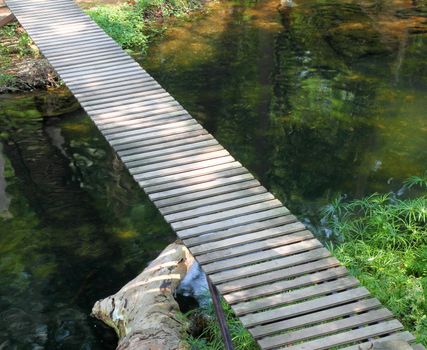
[(283, 284)]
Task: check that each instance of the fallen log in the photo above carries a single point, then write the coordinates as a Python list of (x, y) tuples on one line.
[(144, 313)]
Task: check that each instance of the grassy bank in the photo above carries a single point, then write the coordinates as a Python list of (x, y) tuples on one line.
[(133, 24), (385, 247)]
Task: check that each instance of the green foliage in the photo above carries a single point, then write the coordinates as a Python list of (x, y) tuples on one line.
[(123, 23), (211, 338), (385, 246), (134, 25)]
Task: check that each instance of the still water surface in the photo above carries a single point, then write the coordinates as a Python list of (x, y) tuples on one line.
[(320, 99)]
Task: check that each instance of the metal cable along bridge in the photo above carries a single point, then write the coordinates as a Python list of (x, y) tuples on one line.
[(285, 287)]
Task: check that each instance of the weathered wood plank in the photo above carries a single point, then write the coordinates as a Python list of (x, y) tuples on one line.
[(286, 312), (350, 336), (325, 329), (340, 284), (241, 230), (405, 336), (269, 254), (175, 159), (226, 215), (283, 285), (247, 238), (315, 317), (219, 207), (242, 275), (233, 222), (260, 245)]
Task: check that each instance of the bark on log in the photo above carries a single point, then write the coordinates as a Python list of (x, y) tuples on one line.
[(144, 312)]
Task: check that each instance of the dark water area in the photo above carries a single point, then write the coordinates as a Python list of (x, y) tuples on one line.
[(320, 99), (74, 227)]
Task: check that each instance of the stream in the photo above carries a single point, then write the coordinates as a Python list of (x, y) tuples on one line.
[(320, 99)]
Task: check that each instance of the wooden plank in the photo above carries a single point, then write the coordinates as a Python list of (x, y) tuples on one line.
[(233, 222), (150, 122), (226, 215), (283, 285), (350, 336), (260, 245), (117, 96), (264, 255), (120, 122), (120, 85), (325, 329), (164, 110), (7, 19), (155, 135), (241, 230), (132, 146), (182, 169), (89, 67), (247, 238), (144, 154), (315, 317), (212, 199), (172, 189), (120, 97), (405, 336), (124, 123), (268, 266), (281, 299), (178, 158), (161, 188), (130, 105), (287, 312), (219, 207)]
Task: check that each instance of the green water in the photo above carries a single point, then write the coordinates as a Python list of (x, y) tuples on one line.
[(321, 99)]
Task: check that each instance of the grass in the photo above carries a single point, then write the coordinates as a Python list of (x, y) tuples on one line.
[(134, 24), (385, 247), (211, 338)]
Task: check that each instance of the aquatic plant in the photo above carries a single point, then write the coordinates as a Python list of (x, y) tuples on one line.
[(385, 246)]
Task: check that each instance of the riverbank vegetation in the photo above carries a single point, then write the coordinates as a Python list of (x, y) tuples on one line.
[(132, 24), (385, 247)]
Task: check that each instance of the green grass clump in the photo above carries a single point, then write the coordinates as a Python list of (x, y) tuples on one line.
[(211, 338), (123, 23), (134, 24), (385, 246)]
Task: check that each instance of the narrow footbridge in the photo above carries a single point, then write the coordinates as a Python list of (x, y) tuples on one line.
[(285, 287)]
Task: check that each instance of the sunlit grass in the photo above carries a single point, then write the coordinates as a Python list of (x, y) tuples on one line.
[(385, 246), (211, 338)]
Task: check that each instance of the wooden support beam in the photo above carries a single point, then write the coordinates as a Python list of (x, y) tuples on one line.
[(7, 19)]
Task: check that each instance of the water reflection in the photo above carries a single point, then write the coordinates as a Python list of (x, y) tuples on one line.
[(80, 228), (325, 97)]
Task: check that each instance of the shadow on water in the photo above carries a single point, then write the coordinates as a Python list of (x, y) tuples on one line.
[(322, 98), (75, 227)]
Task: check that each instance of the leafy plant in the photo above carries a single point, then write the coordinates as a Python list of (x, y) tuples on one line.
[(385, 246), (211, 338)]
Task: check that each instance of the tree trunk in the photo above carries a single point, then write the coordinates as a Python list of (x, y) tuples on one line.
[(144, 313)]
